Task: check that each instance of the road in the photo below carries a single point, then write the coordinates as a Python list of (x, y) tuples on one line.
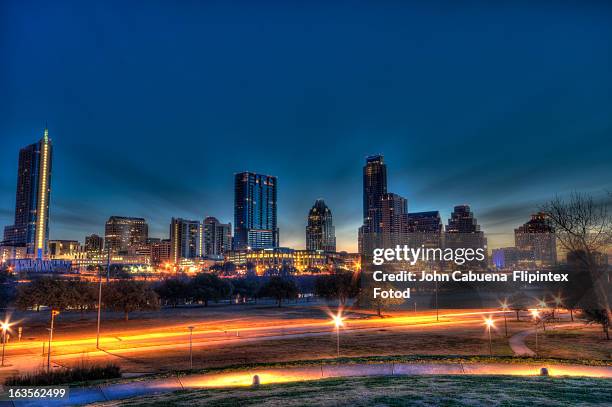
[(27, 356)]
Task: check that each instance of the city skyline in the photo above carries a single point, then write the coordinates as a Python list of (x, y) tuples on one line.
[(502, 125), (257, 221)]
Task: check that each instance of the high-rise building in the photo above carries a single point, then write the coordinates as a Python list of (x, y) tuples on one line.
[(537, 237), (393, 212), (161, 251), (185, 239), (422, 228), (255, 224), (217, 237), (94, 244), (374, 189), (31, 226), (320, 233), (463, 232), (122, 233)]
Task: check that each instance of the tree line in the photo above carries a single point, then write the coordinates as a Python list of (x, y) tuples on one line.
[(127, 295)]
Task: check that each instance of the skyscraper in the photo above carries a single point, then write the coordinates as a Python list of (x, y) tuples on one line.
[(31, 227), (255, 224), (537, 238), (463, 232), (320, 233), (217, 237), (185, 239), (374, 189), (393, 211), (123, 233)]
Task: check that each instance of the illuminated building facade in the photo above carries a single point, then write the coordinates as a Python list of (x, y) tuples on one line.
[(122, 233), (320, 233), (161, 251), (185, 241), (463, 232), (64, 249), (217, 237), (31, 226), (537, 238), (374, 189), (94, 244), (255, 208)]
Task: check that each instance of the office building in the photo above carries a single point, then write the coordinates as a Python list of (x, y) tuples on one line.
[(217, 237), (374, 189), (463, 232), (161, 251), (94, 244), (255, 209), (537, 237), (31, 226), (122, 233), (320, 232), (185, 239)]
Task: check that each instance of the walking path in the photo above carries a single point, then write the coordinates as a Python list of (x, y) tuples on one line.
[(517, 341), (144, 387)]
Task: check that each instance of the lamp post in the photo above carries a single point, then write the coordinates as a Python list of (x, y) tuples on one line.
[(504, 306), (53, 314), (437, 308), (190, 347), (536, 314), (4, 326), (489, 323), (100, 295), (337, 319)]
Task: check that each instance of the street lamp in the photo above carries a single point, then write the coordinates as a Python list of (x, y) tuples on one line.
[(108, 259), (489, 323), (536, 314), (54, 312), (558, 302), (5, 326), (190, 346), (504, 306), (337, 319)]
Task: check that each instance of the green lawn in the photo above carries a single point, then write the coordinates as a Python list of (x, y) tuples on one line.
[(399, 391)]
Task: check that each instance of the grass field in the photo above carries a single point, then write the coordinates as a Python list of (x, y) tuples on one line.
[(399, 391)]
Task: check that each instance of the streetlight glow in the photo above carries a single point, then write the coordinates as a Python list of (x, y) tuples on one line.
[(490, 324), (5, 325), (338, 323)]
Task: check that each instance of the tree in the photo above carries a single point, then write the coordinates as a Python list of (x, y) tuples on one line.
[(173, 291), (8, 289), (280, 289), (518, 302), (583, 227), (83, 295), (384, 303), (45, 291), (128, 296), (339, 286), (598, 316), (207, 287), (246, 288)]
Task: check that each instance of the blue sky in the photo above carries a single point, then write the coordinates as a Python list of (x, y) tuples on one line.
[(153, 106)]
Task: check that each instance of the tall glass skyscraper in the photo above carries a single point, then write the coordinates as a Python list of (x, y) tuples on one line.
[(31, 227), (185, 239), (255, 224), (320, 234), (374, 190)]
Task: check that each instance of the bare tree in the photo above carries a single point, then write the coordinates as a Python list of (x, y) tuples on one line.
[(583, 227)]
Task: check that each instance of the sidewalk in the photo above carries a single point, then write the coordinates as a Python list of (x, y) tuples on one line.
[(118, 391)]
